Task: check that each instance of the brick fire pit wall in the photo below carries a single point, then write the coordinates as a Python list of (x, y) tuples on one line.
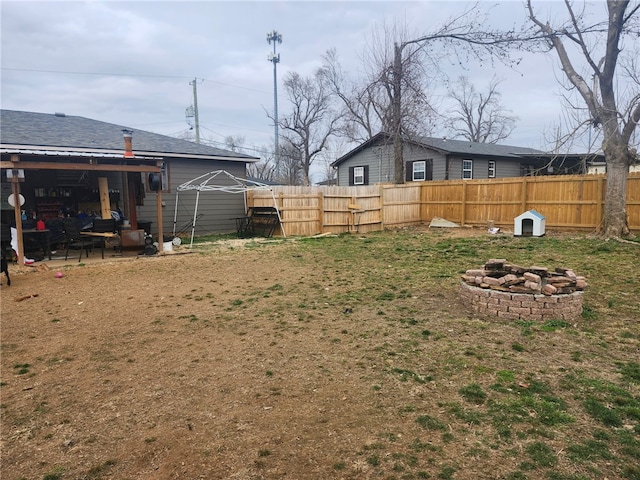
[(522, 306), (501, 289)]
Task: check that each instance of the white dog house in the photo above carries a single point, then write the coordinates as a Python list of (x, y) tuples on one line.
[(529, 224)]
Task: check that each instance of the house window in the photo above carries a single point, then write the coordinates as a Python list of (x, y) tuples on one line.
[(419, 171), (359, 175), (467, 169), (492, 169)]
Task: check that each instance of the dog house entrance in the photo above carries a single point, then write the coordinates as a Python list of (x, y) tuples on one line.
[(527, 227)]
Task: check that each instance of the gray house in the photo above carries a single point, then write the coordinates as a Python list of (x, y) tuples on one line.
[(65, 157), (429, 158)]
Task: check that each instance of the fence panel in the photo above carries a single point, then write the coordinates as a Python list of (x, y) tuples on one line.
[(567, 201), (401, 205), (633, 201)]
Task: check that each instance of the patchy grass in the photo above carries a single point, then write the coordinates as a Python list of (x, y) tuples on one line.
[(348, 356)]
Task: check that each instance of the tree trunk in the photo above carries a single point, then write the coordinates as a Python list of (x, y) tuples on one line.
[(397, 115), (618, 159)]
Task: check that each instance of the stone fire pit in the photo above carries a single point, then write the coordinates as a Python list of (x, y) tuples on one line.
[(512, 292)]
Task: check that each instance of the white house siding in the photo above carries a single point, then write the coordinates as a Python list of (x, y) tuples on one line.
[(218, 208)]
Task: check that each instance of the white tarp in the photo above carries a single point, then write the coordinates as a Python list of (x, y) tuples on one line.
[(220, 181)]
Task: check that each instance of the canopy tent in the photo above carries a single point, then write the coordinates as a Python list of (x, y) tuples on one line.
[(220, 181)]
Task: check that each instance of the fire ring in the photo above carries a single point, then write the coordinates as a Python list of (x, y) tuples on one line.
[(505, 291)]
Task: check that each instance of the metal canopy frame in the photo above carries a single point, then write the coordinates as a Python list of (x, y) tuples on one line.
[(212, 182)]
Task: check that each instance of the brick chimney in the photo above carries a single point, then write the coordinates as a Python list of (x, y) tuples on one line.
[(128, 150)]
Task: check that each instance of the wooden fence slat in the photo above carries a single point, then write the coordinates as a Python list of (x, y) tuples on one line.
[(567, 201)]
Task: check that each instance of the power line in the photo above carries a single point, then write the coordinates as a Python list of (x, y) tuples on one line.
[(92, 73), (105, 74)]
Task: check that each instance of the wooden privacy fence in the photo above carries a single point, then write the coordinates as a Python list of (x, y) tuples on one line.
[(567, 201)]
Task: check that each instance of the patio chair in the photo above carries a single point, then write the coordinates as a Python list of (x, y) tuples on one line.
[(103, 226), (75, 240)]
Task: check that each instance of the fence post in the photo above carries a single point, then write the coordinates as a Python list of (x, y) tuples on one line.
[(321, 211), (382, 207), (464, 203), (523, 195)]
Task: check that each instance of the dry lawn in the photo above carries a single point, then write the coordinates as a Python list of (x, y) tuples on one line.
[(347, 357)]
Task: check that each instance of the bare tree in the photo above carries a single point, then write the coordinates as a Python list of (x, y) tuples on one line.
[(367, 101), (613, 104), (234, 142), (265, 169), (290, 164), (360, 118), (312, 121), (461, 37), (477, 116), (334, 150)]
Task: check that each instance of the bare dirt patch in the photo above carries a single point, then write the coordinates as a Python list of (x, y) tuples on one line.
[(248, 362)]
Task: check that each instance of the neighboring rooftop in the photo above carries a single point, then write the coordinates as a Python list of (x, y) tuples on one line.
[(447, 146)]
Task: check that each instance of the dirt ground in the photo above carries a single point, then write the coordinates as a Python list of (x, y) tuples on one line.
[(241, 363)]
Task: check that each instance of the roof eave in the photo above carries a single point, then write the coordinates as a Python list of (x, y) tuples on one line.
[(47, 150)]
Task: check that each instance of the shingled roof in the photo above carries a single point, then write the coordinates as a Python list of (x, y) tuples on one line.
[(447, 146), (30, 130), (474, 148)]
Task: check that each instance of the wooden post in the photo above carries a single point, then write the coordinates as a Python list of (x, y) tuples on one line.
[(321, 211), (464, 203), (382, 207), (105, 202), (160, 226), (131, 190), (250, 201), (18, 217), (523, 195)]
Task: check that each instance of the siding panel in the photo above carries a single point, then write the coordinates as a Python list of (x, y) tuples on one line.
[(217, 208)]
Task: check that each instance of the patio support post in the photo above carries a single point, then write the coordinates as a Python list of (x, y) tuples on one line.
[(105, 201), (160, 226), (18, 217)]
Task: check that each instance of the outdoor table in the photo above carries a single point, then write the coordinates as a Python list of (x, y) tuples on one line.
[(103, 236)]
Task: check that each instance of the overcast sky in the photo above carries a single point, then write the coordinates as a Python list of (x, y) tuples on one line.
[(130, 63)]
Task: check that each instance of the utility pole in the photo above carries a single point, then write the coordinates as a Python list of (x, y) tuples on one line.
[(195, 108), (274, 57)]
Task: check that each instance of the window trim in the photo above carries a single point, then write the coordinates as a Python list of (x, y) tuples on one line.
[(492, 169), (423, 163), (467, 170), (358, 172)]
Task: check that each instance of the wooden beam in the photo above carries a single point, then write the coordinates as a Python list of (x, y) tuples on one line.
[(160, 226), (18, 218), (80, 166), (105, 203)]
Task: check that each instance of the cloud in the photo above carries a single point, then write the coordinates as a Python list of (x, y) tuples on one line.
[(130, 62)]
